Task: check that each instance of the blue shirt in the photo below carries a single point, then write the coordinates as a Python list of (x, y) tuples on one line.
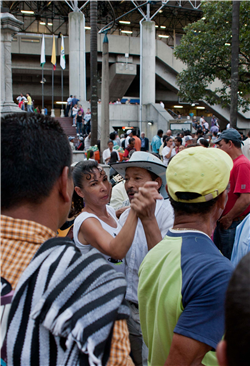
[(156, 144), (242, 241)]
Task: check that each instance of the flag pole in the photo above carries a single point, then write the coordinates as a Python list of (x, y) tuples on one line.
[(52, 110), (42, 93), (62, 110)]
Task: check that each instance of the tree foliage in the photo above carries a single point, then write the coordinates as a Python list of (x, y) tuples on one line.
[(206, 50)]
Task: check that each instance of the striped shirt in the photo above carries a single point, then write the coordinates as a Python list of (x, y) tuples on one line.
[(64, 309)]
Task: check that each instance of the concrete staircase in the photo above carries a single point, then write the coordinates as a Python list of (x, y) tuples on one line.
[(66, 123)]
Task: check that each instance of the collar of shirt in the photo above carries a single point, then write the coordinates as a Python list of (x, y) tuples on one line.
[(20, 240)]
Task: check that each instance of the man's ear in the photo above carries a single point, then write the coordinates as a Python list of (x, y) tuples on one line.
[(222, 201), (159, 181), (167, 189), (66, 185), (221, 353)]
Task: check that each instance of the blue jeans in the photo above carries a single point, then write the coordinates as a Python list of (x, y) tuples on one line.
[(224, 239), (29, 108), (78, 127)]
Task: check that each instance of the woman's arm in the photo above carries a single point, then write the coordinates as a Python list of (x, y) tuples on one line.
[(169, 154), (92, 232)]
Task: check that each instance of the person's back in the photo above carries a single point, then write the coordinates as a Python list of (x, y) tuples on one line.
[(183, 279), (183, 270), (51, 273), (234, 349)]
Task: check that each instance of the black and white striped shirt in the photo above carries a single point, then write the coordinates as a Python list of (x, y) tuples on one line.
[(64, 308)]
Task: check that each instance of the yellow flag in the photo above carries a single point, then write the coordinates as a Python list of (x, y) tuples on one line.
[(53, 56)]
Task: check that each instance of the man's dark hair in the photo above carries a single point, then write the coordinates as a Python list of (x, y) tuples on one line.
[(204, 142), (183, 208), (237, 315), (35, 150), (159, 132), (91, 154), (179, 139), (131, 140), (134, 132), (112, 135), (236, 143)]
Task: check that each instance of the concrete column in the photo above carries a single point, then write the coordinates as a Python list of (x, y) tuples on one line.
[(105, 95), (77, 61), (9, 26), (148, 62)]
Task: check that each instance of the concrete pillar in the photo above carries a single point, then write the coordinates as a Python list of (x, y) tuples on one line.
[(9, 26), (105, 95), (148, 62), (77, 61)]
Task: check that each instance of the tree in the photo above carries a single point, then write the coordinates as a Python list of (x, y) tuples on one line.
[(206, 50)]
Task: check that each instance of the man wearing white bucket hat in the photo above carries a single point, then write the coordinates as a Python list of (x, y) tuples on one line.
[(141, 168)]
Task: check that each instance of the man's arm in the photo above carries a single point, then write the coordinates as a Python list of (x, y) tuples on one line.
[(147, 216), (186, 351), (240, 206)]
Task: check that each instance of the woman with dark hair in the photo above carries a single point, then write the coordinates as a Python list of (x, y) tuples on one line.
[(97, 225), (168, 150)]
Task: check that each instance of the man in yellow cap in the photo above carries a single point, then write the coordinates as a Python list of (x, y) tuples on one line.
[(183, 279)]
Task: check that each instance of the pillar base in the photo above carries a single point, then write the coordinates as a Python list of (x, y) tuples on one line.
[(62, 113), (10, 107), (52, 113)]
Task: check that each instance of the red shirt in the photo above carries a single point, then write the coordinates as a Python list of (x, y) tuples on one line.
[(239, 183)]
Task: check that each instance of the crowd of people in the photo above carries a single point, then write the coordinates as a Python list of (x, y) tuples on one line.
[(141, 273)]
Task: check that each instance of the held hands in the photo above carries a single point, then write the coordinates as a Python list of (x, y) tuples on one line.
[(143, 202)]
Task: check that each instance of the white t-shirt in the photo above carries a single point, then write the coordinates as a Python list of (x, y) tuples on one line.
[(165, 151), (118, 265), (106, 154), (127, 141), (87, 143)]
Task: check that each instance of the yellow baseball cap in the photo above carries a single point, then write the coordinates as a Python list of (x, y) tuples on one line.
[(199, 170)]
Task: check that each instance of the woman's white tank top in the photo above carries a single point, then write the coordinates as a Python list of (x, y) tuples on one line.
[(118, 265)]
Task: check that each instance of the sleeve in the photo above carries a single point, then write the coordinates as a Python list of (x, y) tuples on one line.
[(242, 179), (203, 316)]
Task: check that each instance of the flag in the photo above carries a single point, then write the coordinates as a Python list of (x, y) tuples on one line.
[(42, 59), (62, 56), (53, 56)]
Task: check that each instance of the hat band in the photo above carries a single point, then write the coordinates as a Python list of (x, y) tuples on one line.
[(206, 198)]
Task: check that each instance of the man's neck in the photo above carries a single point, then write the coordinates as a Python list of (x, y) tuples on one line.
[(196, 222), (236, 153)]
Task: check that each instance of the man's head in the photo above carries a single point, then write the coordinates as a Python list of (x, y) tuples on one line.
[(248, 134), (178, 141), (110, 144), (169, 133), (129, 133), (188, 140), (230, 141), (36, 158), (160, 133), (141, 168), (133, 132), (189, 183), (131, 142), (234, 350), (143, 135)]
